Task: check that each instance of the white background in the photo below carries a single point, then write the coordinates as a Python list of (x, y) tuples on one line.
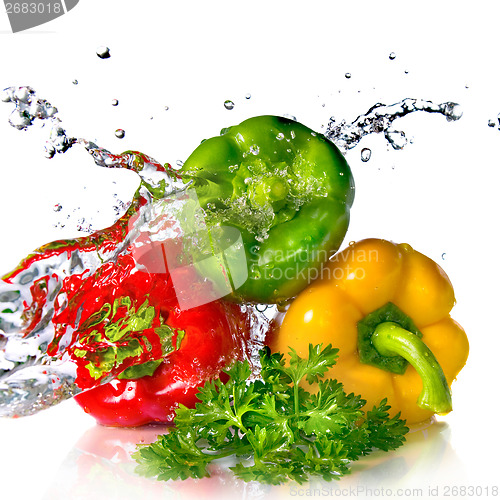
[(440, 193)]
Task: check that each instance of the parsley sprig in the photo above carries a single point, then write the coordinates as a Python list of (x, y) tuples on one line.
[(276, 429)]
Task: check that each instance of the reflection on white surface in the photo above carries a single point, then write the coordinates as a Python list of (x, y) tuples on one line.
[(99, 466)]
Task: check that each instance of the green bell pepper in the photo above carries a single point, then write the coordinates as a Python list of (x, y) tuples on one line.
[(287, 189)]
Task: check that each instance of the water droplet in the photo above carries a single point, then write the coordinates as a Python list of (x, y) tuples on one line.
[(491, 123), (114, 102), (166, 108), (406, 71), (6, 95), (120, 133), (282, 306), (443, 256), (262, 307), (75, 82), (396, 138), (392, 56), (366, 154), (280, 136), (248, 96), (229, 104), (254, 149), (348, 75), (452, 111), (57, 207), (103, 52), (49, 151), (24, 94), (20, 119)]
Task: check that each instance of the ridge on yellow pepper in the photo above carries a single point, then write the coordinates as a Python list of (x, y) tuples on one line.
[(387, 308)]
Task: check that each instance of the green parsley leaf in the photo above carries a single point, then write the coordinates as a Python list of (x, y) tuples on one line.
[(276, 430)]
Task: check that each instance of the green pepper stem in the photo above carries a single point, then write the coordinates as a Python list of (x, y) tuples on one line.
[(269, 190), (391, 340), (278, 188)]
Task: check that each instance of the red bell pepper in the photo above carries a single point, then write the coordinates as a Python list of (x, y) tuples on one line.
[(213, 339)]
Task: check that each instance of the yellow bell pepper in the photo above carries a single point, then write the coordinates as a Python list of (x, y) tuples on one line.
[(386, 307)]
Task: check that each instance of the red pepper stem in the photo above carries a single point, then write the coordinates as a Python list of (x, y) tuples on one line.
[(390, 339)]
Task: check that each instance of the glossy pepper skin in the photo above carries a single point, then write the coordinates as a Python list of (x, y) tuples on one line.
[(366, 277), (214, 338), (287, 189)]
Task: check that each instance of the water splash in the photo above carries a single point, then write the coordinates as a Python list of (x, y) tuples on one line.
[(36, 366), (39, 364), (31, 377), (42, 313), (379, 119), (30, 109)]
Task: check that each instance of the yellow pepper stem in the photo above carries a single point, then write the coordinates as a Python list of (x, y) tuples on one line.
[(390, 339)]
